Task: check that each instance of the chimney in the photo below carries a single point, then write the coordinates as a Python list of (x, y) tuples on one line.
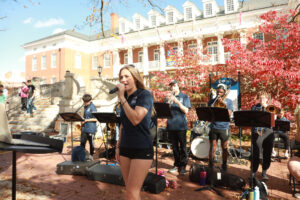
[(114, 23)]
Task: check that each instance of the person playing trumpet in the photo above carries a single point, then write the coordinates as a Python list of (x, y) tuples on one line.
[(220, 130)]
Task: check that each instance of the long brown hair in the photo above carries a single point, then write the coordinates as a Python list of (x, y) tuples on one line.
[(135, 74)]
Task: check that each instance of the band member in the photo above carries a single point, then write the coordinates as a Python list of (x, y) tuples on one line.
[(177, 126), (134, 149), (89, 127), (220, 130), (283, 135), (262, 135)]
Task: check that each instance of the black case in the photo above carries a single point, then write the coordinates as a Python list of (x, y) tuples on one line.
[(74, 168), (106, 173), (154, 183)]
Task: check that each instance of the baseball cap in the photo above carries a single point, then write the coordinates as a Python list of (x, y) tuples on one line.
[(174, 81), (222, 86)]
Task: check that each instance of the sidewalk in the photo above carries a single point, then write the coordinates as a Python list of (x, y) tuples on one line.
[(37, 179)]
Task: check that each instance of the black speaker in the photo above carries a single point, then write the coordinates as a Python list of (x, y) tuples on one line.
[(154, 183)]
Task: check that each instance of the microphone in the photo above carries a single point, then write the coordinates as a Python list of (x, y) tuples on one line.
[(113, 90)]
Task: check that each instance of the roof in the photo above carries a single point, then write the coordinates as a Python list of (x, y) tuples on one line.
[(259, 4)]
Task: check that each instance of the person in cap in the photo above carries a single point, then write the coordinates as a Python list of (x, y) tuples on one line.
[(220, 130), (177, 126)]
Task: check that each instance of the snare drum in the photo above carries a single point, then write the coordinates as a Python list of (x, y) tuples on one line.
[(200, 147)]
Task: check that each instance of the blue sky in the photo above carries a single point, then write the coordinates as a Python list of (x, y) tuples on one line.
[(26, 22)]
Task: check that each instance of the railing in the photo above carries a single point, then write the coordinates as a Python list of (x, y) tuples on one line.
[(154, 65)]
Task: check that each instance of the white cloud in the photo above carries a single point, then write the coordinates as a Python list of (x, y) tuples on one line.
[(49, 22), (28, 20), (22, 59), (58, 30)]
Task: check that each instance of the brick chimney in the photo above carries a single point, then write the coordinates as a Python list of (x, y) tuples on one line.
[(114, 23)]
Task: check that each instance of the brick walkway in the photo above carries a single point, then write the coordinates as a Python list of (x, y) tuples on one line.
[(37, 179)]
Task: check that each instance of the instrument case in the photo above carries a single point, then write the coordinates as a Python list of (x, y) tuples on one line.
[(74, 168)]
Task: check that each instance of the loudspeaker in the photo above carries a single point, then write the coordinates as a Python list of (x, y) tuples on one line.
[(154, 183)]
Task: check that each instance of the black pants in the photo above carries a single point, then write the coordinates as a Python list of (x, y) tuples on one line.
[(285, 139), (87, 136), (266, 146), (24, 103), (178, 139)]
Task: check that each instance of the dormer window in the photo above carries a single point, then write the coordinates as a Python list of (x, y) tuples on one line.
[(137, 23), (208, 9), (170, 16), (153, 20), (188, 13), (230, 5)]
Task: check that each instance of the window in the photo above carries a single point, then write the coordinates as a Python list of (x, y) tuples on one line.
[(259, 36), (43, 62), (188, 13), (34, 64), (126, 58), (230, 6), (192, 49), (53, 79), (107, 60), (156, 55), (170, 17), (153, 20), (208, 9), (122, 27), (137, 23), (94, 62), (140, 56), (77, 61), (53, 60), (212, 49)]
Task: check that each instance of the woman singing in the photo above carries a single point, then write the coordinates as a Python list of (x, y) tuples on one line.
[(134, 150)]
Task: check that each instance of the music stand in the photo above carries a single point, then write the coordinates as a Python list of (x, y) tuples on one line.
[(162, 110), (104, 117), (212, 114), (71, 117), (280, 126), (252, 118)]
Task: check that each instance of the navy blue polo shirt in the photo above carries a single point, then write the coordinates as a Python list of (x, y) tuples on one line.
[(221, 125), (138, 136), (284, 120), (178, 122), (89, 127)]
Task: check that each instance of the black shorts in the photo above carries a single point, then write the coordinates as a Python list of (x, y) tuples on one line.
[(137, 153), (216, 134)]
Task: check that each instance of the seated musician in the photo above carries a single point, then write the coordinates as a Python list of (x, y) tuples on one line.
[(89, 127), (283, 135), (220, 130)]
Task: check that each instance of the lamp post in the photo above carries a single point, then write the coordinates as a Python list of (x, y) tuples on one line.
[(99, 69)]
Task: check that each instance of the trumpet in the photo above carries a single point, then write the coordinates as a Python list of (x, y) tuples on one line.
[(272, 109)]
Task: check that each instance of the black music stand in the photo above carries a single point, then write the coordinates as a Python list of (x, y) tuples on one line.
[(212, 114), (280, 126), (252, 118), (106, 118), (71, 117), (162, 110)]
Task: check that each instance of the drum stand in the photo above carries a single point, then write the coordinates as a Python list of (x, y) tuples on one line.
[(212, 114)]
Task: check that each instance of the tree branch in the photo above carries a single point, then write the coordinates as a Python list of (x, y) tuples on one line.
[(155, 6), (296, 15)]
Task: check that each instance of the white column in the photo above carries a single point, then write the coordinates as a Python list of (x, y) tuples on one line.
[(116, 63), (145, 60), (243, 38), (200, 48), (221, 55), (162, 57), (130, 55)]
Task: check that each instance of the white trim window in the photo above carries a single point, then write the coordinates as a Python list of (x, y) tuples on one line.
[(153, 21), (53, 80), (107, 60), (94, 62), (156, 55), (138, 23), (53, 60), (208, 9), (78, 61), (126, 58), (230, 5), (259, 36), (140, 56), (188, 13), (170, 15), (212, 50), (193, 48), (43, 63), (34, 64)]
